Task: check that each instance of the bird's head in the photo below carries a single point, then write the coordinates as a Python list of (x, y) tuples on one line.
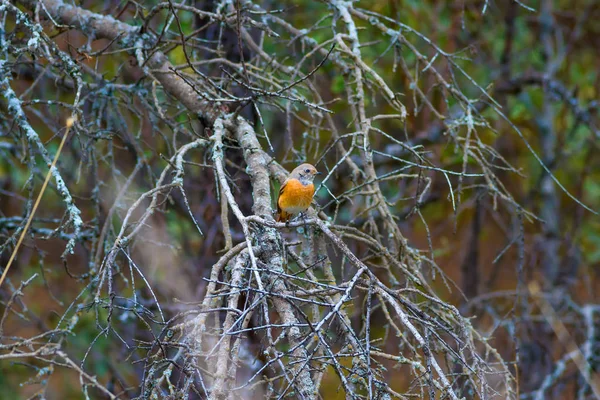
[(305, 173)]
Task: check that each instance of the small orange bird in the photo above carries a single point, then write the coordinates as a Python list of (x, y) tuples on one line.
[(297, 192)]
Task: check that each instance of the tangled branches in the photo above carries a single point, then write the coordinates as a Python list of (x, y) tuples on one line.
[(180, 282)]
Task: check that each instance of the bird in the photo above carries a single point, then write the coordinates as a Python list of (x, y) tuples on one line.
[(297, 192)]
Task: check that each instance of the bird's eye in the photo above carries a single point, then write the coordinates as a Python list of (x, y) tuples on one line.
[(307, 171)]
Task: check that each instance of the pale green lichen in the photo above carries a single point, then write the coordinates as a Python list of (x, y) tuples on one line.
[(14, 107)]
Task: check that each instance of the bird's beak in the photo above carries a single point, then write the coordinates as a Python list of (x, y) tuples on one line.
[(318, 173)]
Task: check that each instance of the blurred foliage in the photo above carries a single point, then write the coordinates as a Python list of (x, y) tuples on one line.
[(481, 45)]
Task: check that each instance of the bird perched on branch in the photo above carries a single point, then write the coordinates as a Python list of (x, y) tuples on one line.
[(296, 193)]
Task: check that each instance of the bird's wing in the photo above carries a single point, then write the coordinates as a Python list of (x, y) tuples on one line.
[(279, 195)]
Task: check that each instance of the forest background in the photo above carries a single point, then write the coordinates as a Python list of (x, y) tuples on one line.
[(453, 249)]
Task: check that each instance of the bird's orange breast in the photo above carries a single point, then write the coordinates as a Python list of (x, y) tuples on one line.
[(295, 197)]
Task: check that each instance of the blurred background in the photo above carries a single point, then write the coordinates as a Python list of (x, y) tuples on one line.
[(501, 102)]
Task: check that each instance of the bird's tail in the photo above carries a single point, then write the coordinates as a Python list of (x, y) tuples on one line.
[(282, 216)]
